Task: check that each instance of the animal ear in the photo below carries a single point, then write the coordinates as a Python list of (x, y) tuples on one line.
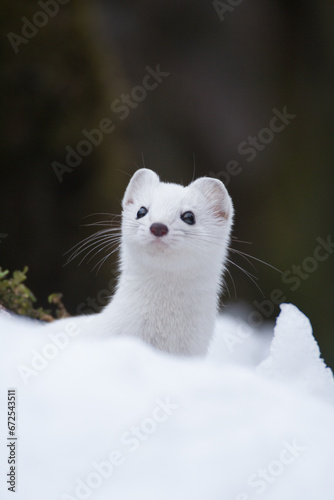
[(216, 195), (139, 181)]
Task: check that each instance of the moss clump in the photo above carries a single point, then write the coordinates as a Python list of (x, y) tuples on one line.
[(16, 297)]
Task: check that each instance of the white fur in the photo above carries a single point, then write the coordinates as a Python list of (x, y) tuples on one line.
[(169, 286)]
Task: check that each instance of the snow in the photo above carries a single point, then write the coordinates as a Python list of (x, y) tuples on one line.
[(112, 418), (295, 356)]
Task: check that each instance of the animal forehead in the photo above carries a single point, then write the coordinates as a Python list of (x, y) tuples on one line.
[(168, 195), (169, 201), (173, 197)]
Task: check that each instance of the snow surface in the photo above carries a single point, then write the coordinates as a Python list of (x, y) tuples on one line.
[(112, 418)]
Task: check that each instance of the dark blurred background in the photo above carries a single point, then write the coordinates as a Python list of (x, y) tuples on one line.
[(230, 65)]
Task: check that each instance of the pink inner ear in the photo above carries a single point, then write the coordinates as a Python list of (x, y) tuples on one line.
[(220, 214)]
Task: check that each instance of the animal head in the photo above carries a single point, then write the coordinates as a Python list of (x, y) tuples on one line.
[(171, 225)]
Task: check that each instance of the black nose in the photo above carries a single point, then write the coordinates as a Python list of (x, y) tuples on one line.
[(159, 229)]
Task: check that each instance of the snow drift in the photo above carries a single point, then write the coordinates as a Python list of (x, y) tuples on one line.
[(112, 418)]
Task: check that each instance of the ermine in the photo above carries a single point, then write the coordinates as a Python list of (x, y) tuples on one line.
[(173, 252)]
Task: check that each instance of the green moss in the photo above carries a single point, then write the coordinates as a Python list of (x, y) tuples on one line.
[(16, 297)]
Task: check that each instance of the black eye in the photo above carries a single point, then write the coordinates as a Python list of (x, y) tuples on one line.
[(188, 218), (141, 212)]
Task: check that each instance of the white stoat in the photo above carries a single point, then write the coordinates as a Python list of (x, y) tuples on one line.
[(172, 255)]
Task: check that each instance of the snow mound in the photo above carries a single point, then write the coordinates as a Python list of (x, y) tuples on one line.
[(105, 418), (295, 356), (235, 342)]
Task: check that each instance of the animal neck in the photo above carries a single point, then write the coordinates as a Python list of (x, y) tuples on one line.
[(173, 310), (152, 282)]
